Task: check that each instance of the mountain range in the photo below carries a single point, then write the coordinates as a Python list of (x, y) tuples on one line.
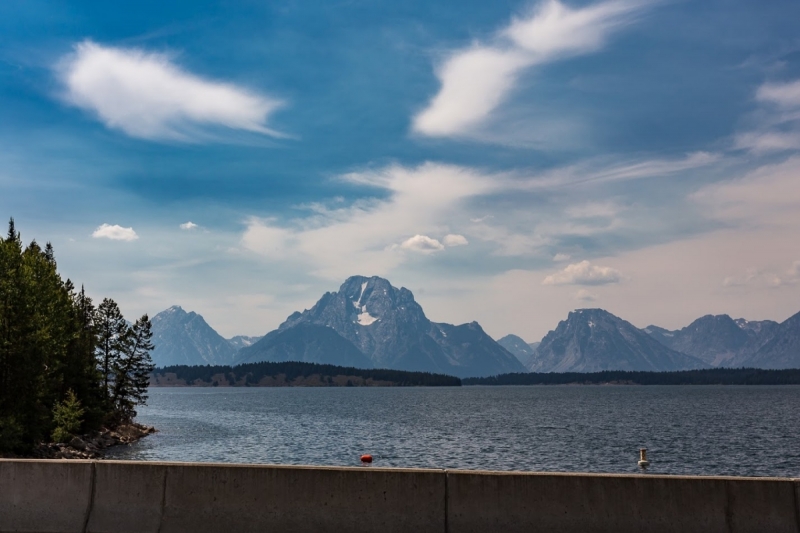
[(368, 323), (182, 338), (592, 340)]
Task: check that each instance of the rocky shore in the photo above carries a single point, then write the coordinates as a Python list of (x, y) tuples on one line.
[(92, 445)]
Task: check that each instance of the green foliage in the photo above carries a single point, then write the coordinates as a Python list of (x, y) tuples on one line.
[(67, 417), (53, 340), (710, 376), (131, 369), (252, 373)]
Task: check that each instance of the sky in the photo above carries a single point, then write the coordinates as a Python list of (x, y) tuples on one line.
[(506, 161)]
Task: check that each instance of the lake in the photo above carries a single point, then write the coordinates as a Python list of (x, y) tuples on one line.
[(703, 430)]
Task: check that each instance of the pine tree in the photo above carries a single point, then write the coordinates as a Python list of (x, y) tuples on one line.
[(56, 349), (112, 334), (132, 370)]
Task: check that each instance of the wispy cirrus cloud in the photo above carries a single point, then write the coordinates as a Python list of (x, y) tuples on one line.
[(368, 234), (115, 233), (777, 123), (475, 81), (146, 95)]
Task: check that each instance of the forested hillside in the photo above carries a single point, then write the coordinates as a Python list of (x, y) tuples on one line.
[(296, 374), (66, 366), (707, 376)]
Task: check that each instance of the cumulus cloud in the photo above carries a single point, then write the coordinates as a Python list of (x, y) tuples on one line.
[(475, 81), (115, 233), (146, 95), (561, 257), (455, 240), (584, 273), (422, 244), (189, 225)]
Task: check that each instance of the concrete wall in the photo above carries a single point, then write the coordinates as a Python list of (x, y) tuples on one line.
[(111, 496)]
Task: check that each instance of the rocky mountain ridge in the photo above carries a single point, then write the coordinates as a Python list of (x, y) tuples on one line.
[(370, 324), (719, 340), (389, 327), (593, 340), (522, 350)]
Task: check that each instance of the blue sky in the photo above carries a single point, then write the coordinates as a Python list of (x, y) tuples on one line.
[(506, 161)]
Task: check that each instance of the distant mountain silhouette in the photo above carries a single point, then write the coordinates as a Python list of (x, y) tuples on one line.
[(243, 341), (718, 340), (182, 338), (521, 349), (593, 340), (387, 326), (783, 349)]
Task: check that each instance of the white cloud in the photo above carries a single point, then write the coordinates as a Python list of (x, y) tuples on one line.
[(765, 278), (455, 240), (584, 273), (475, 81), (754, 278), (761, 142), (782, 94), (777, 127), (585, 296), (561, 257), (146, 95), (422, 244), (115, 233), (189, 225), (340, 240)]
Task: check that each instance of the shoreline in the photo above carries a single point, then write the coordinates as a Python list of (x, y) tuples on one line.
[(89, 445)]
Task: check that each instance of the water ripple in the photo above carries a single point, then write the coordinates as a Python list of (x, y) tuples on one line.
[(750, 431)]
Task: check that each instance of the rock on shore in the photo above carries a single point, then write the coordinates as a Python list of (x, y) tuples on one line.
[(91, 445)]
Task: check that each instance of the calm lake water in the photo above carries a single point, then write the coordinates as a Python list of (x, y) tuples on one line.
[(748, 431)]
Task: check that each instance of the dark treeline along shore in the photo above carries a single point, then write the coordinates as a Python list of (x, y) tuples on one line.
[(283, 374), (67, 368), (711, 376)]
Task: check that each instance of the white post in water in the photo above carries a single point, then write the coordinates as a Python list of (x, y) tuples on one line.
[(643, 462)]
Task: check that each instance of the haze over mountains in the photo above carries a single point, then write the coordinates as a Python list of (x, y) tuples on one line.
[(182, 338), (368, 323), (591, 340)]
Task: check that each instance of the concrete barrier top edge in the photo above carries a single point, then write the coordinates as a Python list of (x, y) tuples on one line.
[(228, 465), (612, 475), (393, 469)]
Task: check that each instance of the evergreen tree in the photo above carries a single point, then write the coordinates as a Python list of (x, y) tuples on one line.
[(112, 335), (67, 417), (132, 370), (56, 349)]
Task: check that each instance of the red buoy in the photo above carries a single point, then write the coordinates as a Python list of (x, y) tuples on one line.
[(366, 458)]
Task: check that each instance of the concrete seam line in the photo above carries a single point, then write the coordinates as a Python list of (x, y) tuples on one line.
[(795, 484), (163, 500), (728, 508), (446, 502), (90, 507)]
